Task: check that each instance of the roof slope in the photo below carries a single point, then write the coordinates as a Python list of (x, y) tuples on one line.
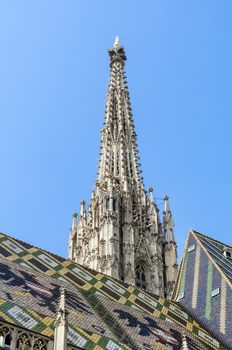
[(216, 250), (204, 285), (30, 279)]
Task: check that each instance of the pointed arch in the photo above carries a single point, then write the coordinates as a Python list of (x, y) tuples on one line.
[(141, 275)]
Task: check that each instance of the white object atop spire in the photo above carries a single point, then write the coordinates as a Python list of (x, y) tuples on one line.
[(116, 43)]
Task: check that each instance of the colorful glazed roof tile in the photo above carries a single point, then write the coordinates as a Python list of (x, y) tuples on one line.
[(103, 313), (204, 286), (220, 253)]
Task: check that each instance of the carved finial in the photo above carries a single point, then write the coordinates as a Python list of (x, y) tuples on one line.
[(184, 343), (74, 222), (61, 324), (116, 43), (166, 204), (82, 207), (61, 307), (62, 300), (83, 211), (168, 223), (151, 196)]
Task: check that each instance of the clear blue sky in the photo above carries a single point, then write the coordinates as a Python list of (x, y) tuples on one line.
[(53, 81)]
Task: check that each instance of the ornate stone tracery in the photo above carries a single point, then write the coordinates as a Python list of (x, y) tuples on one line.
[(15, 338), (141, 276), (122, 225)]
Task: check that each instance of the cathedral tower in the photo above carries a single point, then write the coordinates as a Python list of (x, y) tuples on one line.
[(121, 234)]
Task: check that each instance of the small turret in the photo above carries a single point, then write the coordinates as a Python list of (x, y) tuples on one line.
[(83, 217), (169, 249), (151, 197), (168, 223), (76, 235), (61, 324), (74, 223), (72, 237), (153, 212), (184, 345)]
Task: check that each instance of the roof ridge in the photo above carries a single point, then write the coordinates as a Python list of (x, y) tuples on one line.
[(212, 239), (219, 268), (34, 246), (124, 284)]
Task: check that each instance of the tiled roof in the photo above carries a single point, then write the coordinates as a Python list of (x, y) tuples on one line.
[(216, 249), (103, 311), (29, 299), (204, 286)]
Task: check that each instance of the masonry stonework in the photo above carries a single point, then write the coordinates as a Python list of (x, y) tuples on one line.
[(121, 233)]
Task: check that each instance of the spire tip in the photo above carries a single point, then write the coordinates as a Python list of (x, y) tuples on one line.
[(116, 43)]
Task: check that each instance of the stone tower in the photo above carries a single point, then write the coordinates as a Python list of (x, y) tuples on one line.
[(169, 250), (121, 234)]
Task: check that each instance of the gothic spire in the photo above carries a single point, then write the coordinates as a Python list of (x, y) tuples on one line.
[(169, 250), (153, 212), (83, 213), (119, 155), (121, 233), (168, 223), (151, 196), (74, 222), (61, 324)]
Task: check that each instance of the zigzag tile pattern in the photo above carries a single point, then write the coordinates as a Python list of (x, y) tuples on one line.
[(147, 331), (29, 299), (41, 292), (39, 268)]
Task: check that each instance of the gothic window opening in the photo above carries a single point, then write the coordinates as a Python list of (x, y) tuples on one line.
[(7, 341), (5, 337), (40, 344), (107, 203), (141, 277), (24, 342), (20, 340), (114, 204)]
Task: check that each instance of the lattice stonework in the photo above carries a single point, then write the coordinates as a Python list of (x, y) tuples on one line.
[(14, 337)]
